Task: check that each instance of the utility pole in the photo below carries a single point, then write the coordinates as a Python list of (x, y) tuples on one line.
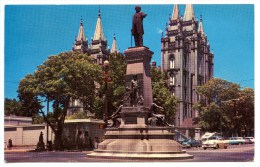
[(47, 136)]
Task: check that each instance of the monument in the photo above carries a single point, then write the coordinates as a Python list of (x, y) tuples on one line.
[(135, 137)]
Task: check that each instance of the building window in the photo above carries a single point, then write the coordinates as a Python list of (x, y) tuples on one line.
[(173, 92), (75, 103), (172, 79), (171, 60), (171, 63)]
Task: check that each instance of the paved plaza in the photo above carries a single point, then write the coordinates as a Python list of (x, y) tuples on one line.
[(241, 153)]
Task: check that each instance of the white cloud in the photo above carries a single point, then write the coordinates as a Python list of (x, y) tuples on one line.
[(159, 31)]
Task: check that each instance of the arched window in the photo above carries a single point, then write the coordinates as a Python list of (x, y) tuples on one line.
[(173, 92), (172, 79), (171, 60)]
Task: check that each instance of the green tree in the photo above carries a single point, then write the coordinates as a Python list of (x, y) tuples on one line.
[(60, 78), (78, 115), (38, 119), (17, 108), (13, 107), (163, 95), (216, 90), (209, 117), (240, 113), (115, 87), (224, 103), (247, 110)]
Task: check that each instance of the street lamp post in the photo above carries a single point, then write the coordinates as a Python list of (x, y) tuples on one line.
[(106, 80)]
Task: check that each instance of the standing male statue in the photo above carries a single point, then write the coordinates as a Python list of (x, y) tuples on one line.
[(137, 26), (135, 91)]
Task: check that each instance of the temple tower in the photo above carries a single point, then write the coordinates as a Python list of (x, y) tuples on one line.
[(99, 50), (186, 57), (114, 48), (81, 42)]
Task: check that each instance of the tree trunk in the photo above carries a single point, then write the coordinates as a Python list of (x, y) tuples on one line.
[(58, 140)]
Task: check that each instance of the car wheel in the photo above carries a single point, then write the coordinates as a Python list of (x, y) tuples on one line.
[(204, 148), (217, 146)]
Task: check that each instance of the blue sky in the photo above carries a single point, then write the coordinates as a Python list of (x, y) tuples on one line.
[(34, 32)]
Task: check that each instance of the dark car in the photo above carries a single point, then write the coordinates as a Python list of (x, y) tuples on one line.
[(191, 143)]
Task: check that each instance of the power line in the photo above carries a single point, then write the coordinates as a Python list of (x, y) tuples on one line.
[(245, 80), (12, 82)]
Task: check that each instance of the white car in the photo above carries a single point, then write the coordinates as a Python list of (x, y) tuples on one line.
[(214, 142)]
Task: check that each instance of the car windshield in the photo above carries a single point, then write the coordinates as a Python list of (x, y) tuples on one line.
[(203, 139)]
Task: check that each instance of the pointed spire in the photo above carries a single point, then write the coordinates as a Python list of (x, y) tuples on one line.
[(114, 45), (175, 12), (99, 14), (81, 42), (81, 35), (189, 13), (99, 34), (201, 30)]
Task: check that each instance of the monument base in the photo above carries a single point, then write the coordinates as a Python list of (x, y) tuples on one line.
[(135, 140)]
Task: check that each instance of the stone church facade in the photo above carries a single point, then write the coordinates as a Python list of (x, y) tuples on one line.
[(188, 61)]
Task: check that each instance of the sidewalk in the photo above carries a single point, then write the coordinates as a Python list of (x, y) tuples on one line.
[(20, 149), (32, 148)]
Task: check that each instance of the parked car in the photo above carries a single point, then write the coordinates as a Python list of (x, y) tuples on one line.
[(191, 143), (236, 140), (214, 142), (249, 140)]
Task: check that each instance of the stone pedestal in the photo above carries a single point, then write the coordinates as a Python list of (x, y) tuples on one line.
[(138, 63), (134, 139), (134, 117)]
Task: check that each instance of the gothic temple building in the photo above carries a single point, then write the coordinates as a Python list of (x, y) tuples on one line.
[(97, 48), (186, 57)]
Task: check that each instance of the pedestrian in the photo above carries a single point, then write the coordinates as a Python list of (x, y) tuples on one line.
[(96, 142), (10, 143)]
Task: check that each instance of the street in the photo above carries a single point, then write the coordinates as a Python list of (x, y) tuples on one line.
[(234, 153)]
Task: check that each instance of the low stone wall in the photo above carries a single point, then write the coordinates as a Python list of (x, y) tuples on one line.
[(26, 135)]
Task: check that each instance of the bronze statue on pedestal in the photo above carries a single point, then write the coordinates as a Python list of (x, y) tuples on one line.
[(137, 26)]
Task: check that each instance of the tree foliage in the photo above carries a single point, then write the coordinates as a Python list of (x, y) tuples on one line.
[(225, 107), (13, 107), (60, 78), (18, 108), (115, 86), (162, 94), (77, 115)]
